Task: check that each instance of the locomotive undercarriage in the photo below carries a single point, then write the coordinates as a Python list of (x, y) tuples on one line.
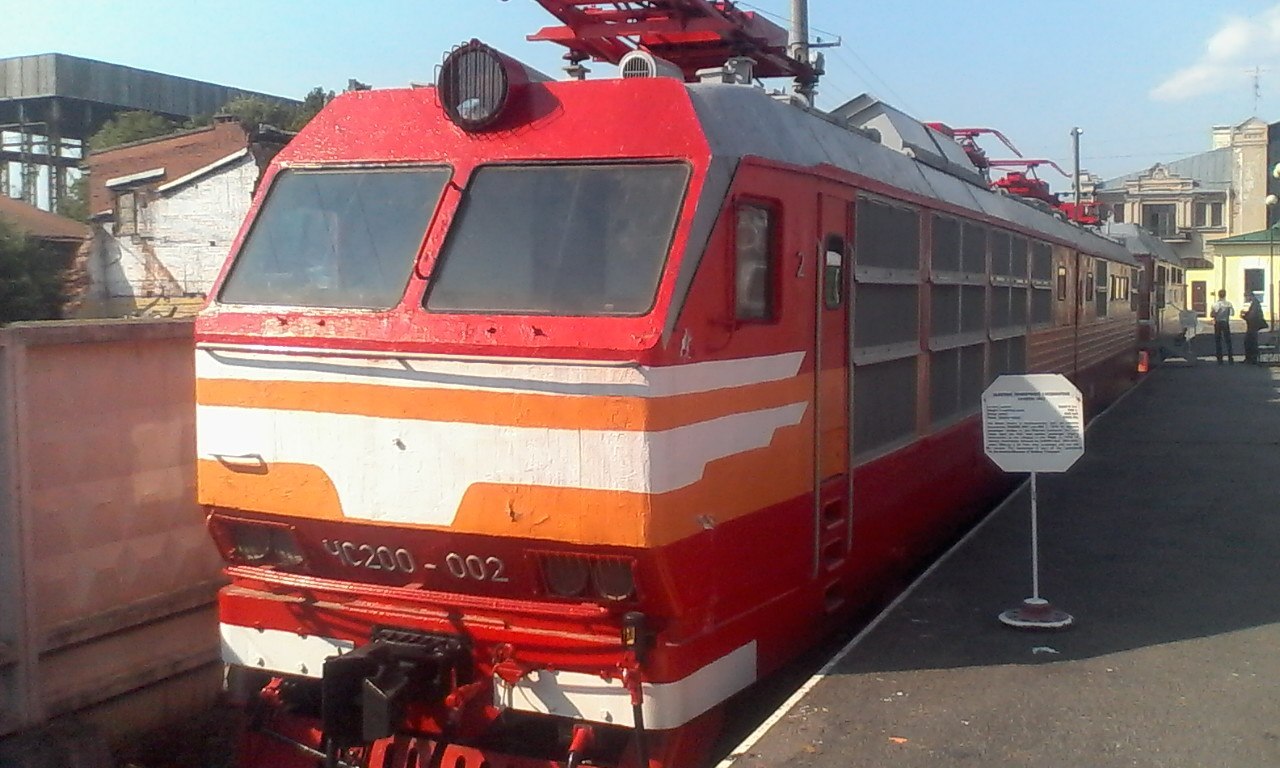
[(351, 722), (418, 694)]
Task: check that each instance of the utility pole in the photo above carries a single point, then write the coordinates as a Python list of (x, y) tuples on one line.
[(1075, 149), (799, 44)]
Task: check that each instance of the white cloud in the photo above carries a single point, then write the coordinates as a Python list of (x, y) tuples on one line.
[(1240, 44)]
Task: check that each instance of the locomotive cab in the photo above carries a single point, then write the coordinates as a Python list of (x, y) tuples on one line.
[(447, 428)]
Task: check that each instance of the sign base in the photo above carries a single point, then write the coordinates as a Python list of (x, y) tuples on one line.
[(1036, 613)]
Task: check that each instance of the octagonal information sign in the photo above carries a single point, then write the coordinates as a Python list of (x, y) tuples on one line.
[(1033, 423)]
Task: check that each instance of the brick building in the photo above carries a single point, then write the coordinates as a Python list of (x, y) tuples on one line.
[(165, 211)]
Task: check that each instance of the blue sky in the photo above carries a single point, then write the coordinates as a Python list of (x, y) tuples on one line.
[(1144, 79)]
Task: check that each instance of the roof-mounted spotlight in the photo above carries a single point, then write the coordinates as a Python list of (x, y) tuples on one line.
[(478, 85)]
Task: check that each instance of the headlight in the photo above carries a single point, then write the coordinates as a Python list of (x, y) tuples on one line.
[(607, 578), (478, 86), (250, 543), (285, 548), (613, 579), (566, 575), (247, 543)]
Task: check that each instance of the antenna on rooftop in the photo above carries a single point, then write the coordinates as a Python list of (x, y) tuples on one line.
[(1257, 86)]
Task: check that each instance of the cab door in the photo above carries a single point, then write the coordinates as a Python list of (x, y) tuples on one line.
[(833, 501)]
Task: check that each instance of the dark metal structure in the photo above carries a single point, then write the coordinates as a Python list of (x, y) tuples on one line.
[(52, 103)]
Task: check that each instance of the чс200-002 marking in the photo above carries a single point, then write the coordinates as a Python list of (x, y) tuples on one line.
[(383, 558)]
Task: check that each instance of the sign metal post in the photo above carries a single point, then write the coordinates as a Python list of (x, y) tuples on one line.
[(1033, 423)]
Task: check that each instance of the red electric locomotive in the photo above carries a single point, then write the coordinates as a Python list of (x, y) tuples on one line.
[(537, 419)]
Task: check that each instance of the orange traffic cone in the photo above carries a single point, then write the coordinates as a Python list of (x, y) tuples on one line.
[(1144, 361)]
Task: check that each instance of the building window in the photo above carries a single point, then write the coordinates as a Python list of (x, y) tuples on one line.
[(1255, 281), (1117, 213), (753, 265), (1161, 220), (1207, 215), (126, 214)]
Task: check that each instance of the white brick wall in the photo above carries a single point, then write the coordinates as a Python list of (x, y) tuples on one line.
[(188, 230)]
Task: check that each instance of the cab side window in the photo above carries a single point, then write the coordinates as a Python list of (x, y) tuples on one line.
[(754, 263)]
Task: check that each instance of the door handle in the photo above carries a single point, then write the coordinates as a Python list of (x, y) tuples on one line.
[(244, 461)]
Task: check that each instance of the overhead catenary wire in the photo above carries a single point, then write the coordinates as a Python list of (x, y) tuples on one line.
[(838, 53)]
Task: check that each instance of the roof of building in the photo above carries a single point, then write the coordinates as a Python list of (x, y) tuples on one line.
[(1141, 242), (81, 94), (1212, 169), (161, 159), (40, 224), (1261, 236)]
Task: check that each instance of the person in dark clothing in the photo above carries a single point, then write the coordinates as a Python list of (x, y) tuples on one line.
[(1222, 312), (1253, 323)]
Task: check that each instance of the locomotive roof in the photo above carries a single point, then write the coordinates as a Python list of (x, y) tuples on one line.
[(1142, 242), (741, 121)]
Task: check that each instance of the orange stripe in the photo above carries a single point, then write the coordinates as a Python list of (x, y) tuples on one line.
[(587, 412), (296, 490)]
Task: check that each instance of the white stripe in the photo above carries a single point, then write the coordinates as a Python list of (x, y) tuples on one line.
[(666, 705), (274, 650), (417, 471), (552, 378), (575, 695), (147, 175)]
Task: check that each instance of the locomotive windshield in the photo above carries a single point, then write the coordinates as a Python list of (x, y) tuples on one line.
[(560, 240), (344, 239)]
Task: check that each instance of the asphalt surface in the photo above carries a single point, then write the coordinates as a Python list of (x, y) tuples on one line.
[(1163, 543)]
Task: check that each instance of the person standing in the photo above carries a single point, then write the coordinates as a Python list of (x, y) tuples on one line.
[(1222, 311), (1253, 322)]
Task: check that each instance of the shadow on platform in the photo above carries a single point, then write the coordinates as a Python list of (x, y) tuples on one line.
[(1166, 530)]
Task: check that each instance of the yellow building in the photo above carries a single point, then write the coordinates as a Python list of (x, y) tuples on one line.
[(1245, 264)]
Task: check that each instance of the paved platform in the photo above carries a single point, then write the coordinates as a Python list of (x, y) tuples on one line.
[(1163, 542)]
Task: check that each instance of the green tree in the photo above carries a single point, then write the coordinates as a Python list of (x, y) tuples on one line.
[(130, 126), (253, 111), (314, 101), (74, 204), (33, 278)]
